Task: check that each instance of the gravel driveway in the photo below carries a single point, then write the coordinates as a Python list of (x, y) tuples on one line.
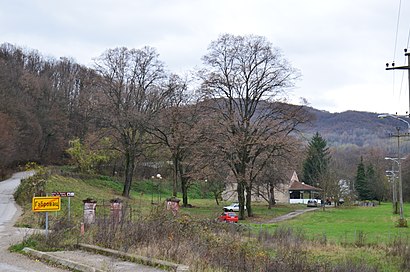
[(9, 235), (291, 215)]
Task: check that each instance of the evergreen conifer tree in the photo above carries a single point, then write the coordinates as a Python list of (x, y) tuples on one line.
[(361, 182), (317, 161)]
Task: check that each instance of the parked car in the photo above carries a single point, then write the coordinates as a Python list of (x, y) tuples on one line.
[(229, 217), (312, 203), (234, 207)]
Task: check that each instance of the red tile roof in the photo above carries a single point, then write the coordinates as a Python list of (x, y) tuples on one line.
[(299, 186)]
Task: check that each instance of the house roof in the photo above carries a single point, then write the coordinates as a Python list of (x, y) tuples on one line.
[(294, 177), (299, 186)]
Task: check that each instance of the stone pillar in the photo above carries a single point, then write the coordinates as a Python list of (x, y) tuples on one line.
[(116, 210), (173, 205), (89, 211)]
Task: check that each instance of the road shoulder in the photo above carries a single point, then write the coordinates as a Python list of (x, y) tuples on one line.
[(94, 258)]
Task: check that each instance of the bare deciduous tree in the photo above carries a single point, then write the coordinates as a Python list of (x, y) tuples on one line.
[(132, 84), (244, 75), (277, 169), (175, 129)]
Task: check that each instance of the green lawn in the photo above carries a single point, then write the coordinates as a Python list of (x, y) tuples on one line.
[(103, 189), (377, 224)]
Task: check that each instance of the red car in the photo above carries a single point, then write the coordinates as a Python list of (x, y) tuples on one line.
[(229, 217)]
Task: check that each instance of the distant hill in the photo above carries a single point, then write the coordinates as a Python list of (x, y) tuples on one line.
[(362, 129)]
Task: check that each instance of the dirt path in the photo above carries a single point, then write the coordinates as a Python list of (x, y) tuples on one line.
[(291, 215)]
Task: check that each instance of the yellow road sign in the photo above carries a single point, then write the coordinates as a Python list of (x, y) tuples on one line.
[(46, 204)]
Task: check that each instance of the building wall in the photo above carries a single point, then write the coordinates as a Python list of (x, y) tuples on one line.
[(281, 193)]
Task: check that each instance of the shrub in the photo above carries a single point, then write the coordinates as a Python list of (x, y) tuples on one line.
[(34, 185), (402, 223), (85, 159)]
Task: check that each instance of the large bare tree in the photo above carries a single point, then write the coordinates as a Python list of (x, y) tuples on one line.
[(132, 82), (175, 129), (245, 77), (277, 170)]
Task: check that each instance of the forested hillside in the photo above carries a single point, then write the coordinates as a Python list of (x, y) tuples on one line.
[(363, 129), (45, 103)]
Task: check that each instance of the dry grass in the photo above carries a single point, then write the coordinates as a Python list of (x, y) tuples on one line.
[(207, 245)]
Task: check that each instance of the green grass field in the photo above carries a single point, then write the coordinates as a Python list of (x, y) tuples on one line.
[(348, 224), (143, 195)]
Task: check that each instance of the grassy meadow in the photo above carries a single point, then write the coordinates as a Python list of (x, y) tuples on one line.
[(372, 225), (144, 198), (351, 238)]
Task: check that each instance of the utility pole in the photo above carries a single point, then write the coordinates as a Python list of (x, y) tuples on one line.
[(402, 221), (391, 174), (405, 67)]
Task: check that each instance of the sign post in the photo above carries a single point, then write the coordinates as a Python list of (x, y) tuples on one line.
[(46, 225), (46, 204), (65, 194)]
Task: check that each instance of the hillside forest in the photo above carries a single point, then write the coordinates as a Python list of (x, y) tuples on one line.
[(130, 118)]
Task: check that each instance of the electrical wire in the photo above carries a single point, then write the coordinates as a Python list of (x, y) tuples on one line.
[(394, 52), (408, 38), (397, 31), (405, 58)]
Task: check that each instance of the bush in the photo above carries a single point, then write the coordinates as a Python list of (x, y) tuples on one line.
[(34, 185), (85, 159), (402, 223)]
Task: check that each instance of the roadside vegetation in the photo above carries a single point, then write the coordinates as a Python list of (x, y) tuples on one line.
[(339, 239)]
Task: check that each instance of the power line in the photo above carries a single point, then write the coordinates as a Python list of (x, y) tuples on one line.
[(404, 67), (394, 54), (397, 32), (408, 38)]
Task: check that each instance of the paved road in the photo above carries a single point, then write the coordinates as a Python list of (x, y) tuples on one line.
[(9, 212)]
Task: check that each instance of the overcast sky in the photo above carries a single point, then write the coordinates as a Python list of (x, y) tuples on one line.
[(340, 46)]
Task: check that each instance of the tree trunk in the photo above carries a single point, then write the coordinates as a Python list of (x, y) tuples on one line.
[(44, 147), (272, 200), (175, 183), (241, 199), (216, 195), (184, 188), (249, 200), (184, 185), (129, 172)]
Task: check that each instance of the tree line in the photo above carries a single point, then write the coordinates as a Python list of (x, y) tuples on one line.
[(227, 119)]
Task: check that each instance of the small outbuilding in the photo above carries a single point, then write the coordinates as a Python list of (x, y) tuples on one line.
[(291, 191), (300, 193)]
